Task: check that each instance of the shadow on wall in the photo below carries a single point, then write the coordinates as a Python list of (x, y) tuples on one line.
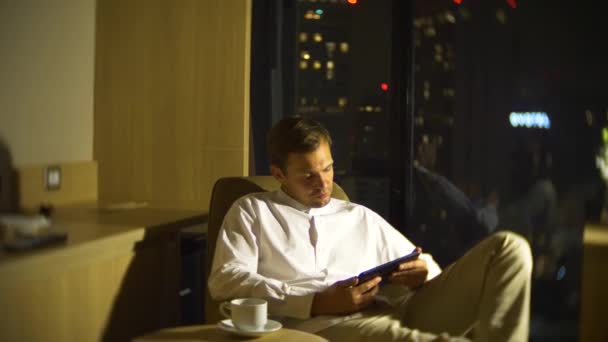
[(9, 196)]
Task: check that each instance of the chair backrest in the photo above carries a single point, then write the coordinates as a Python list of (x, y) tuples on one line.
[(225, 192)]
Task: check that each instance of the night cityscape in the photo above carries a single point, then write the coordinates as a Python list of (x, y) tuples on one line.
[(507, 105)]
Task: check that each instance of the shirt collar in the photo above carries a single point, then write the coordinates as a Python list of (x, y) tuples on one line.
[(290, 201)]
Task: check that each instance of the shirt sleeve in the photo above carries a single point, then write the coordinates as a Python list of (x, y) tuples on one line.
[(234, 269), (397, 245)]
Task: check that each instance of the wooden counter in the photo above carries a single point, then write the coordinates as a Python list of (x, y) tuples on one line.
[(116, 277), (594, 289)]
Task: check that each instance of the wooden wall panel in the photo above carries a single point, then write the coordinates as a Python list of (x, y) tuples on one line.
[(171, 98), (78, 184)]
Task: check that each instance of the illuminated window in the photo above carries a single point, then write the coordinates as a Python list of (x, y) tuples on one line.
[(303, 37), (430, 31), (589, 117), (438, 58), (427, 94), (316, 65), (303, 101), (303, 65), (330, 65), (342, 101), (344, 47), (331, 48), (501, 16), (450, 17), (312, 15), (305, 55), (329, 75), (317, 37)]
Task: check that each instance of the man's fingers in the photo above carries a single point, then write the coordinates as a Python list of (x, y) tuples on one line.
[(367, 297), (368, 285), (418, 263), (346, 283), (408, 273)]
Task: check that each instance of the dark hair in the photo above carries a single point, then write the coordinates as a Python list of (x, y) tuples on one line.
[(294, 134)]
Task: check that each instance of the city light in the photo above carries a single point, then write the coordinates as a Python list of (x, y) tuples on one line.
[(352, 2), (384, 86), (530, 120), (457, 2)]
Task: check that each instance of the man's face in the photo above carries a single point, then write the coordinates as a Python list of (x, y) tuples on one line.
[(308, 177)]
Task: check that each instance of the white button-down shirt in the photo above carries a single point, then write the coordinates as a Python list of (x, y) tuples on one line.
[(271, 246)]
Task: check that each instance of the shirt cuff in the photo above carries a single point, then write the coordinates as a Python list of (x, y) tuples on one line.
[(298, 306)]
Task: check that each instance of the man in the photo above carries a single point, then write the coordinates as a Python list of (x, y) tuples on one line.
[(301, 250)]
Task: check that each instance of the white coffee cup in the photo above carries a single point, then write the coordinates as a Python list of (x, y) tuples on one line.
[(246, 313)]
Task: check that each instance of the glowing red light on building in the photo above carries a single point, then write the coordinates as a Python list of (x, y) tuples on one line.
[(384, 86), (512, 3), (352, 2), (457, 2)]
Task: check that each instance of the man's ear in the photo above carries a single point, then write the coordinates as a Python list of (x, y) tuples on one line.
[(277, 173)]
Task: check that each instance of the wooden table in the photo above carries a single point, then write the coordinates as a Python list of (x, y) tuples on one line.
[(115, 278), (199, 333)]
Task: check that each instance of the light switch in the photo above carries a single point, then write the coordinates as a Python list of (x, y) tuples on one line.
[(52, 178)]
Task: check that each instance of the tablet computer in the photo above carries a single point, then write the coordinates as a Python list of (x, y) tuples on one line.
[(386, 269)]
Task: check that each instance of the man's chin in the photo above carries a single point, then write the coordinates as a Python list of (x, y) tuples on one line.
[(318, 203)]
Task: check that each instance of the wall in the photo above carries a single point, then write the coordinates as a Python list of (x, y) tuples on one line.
[(46, 87), (171, 99)]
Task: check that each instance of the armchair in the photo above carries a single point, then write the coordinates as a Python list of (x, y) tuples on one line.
[(225, 192)]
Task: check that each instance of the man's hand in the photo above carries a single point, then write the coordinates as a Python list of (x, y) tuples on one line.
[(345, 297), (411, 274)]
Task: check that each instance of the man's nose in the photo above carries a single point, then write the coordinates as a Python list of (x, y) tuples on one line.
[(324, 181)]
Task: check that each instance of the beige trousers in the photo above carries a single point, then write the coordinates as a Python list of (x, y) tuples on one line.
[(488, 287)]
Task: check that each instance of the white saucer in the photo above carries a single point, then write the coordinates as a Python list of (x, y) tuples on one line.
[(271, 326)]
